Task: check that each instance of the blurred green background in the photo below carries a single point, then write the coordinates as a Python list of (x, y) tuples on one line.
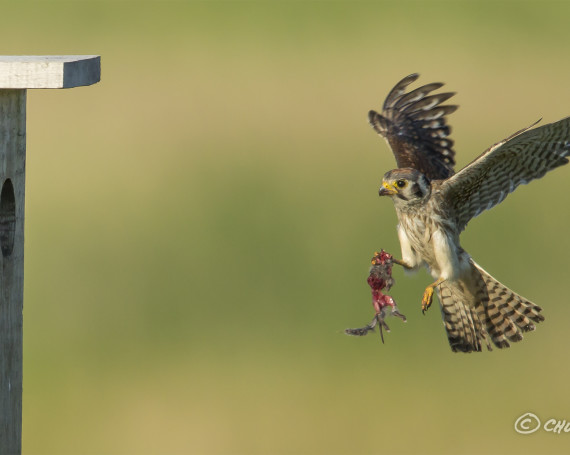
[(200, 224)]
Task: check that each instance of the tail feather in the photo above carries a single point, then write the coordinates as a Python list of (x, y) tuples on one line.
[(518, 310), (462, 322), (481, 309)]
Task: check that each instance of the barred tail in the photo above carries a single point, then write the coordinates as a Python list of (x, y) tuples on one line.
[(484, 310)]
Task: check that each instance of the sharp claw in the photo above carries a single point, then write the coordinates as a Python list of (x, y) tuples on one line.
[(428, 294), (427, 299)]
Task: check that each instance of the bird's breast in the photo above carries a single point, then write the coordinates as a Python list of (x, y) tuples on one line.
[(433, 243)]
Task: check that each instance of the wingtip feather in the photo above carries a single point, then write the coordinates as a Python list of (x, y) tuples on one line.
[(379, 124)]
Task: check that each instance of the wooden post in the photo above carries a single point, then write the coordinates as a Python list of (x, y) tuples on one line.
[(17, 74)]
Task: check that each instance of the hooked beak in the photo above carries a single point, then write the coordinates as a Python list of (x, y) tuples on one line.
[(386, 190)]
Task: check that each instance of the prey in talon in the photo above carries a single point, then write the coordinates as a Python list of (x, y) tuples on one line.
[(380, 278), (434, 204)]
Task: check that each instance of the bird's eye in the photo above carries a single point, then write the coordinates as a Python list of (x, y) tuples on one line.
[(400, 183)]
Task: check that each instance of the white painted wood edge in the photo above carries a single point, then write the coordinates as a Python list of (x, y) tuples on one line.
[(48, 71)]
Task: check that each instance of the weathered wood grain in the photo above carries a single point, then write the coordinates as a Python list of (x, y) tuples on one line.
[(17, 74), (50, 71), (12, 180)]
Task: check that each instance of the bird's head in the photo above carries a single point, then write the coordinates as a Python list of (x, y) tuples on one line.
[(405, 184)]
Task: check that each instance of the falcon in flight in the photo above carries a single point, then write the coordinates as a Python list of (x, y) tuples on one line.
[(434, 205)]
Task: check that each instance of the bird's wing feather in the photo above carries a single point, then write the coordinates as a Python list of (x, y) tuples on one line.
[(414, 124), (524, 156)]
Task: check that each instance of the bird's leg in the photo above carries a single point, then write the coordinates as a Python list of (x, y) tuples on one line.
[(428, 294), (402, 263)]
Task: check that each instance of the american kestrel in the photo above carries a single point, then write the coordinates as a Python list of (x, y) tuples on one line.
[(434, 205)]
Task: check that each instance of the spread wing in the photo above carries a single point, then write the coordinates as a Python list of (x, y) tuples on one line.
[(524, 156), (415, 127)]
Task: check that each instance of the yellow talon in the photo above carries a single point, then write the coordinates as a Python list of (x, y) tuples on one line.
[(428, 295), (427, 298), (373, 261)]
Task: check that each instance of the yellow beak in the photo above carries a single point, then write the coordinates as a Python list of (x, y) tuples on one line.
[(386, 190)]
